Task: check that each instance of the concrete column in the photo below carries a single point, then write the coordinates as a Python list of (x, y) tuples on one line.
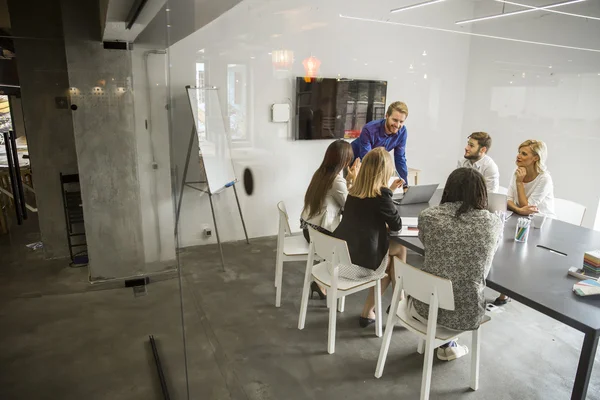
[(106, 144), (42, 68)]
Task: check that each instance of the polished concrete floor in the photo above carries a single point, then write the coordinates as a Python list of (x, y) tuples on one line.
[(62, 338)]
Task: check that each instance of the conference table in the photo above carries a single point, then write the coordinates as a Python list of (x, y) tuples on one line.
[(535, 273)]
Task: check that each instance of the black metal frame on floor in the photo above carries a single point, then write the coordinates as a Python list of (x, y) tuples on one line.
[(14, 173), (73, 214)]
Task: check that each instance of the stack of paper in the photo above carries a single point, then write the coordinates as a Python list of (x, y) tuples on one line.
[(410, 226), (591, 262), (587, 288)]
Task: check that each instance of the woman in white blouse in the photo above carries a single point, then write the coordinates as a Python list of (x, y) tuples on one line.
[(531, 189), (326, 195), (327, 192)]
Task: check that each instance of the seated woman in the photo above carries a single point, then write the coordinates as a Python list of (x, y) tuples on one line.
[(460, 237), (531, 189), (327, 192), (368, 213)]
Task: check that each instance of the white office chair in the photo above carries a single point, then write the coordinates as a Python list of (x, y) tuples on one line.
[(502, 190), (569, 211), (437, 292), (289, 248), (334, 252)]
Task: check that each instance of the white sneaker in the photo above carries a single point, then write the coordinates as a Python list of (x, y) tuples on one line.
[(452, 352)]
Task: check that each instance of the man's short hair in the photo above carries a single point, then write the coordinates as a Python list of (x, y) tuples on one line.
[(397, 106), (483, 139)]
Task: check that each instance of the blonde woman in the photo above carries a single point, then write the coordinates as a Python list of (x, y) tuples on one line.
[(368, 213), (531, 189)]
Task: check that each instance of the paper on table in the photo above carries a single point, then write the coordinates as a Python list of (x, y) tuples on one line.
[(409, 231), (410, 221), (406, 231)]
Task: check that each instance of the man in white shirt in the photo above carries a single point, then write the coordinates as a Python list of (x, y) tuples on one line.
[(476, 157)]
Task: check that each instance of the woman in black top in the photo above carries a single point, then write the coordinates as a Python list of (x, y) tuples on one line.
[(368, 214)]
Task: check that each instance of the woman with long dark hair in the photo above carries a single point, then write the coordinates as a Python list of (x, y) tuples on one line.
[(460, 237), (326, 195)]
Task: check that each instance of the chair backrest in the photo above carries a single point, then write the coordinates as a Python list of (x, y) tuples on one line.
[(332, 250), (569, 211), (421, 285), (502, 190), (284, 220)]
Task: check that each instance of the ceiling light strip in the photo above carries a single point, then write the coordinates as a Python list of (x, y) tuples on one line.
[(551, 11), (431, 28), (426, 3), (509, 14)]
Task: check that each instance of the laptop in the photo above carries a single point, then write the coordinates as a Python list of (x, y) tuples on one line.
[(416, 194)]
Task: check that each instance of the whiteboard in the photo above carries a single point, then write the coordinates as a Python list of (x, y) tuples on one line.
[(213, 137)]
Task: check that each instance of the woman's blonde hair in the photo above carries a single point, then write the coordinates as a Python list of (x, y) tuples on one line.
[(539, 149), (375, 171)]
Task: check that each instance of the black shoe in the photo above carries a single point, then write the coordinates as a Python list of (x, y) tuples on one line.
[(364, 322), (314, 288), (500, 302)]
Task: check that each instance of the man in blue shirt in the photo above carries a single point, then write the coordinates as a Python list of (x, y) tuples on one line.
[(389, 133)]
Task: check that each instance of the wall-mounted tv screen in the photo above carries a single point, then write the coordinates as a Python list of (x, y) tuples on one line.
[(335, 108)]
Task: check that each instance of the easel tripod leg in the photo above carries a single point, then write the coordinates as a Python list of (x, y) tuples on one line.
[(212, 209), (241, 216)]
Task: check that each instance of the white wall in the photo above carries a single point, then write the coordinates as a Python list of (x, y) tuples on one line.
[(558, 105), (357, 49)]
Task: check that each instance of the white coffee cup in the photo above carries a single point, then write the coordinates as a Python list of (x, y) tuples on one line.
[(537, 220)]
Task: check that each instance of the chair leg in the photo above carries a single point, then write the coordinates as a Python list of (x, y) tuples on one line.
[(341, 303), (332, 319), (427, 368), (385, 345), (304, 301), (278, 283), (278, 262), (378, 311), (475, 359), (420, 346)]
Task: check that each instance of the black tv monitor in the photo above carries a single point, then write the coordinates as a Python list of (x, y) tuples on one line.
[(336, 108)]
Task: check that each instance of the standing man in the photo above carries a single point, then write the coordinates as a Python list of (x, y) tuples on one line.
[(478, 145), (390, 133)]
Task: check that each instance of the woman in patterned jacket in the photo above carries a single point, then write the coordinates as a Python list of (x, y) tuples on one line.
[(460, 237)]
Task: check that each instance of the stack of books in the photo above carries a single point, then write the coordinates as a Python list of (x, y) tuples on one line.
[(591, 262), (588, 287)]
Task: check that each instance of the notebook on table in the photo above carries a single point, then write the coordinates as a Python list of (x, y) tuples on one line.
[(409, 227)]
